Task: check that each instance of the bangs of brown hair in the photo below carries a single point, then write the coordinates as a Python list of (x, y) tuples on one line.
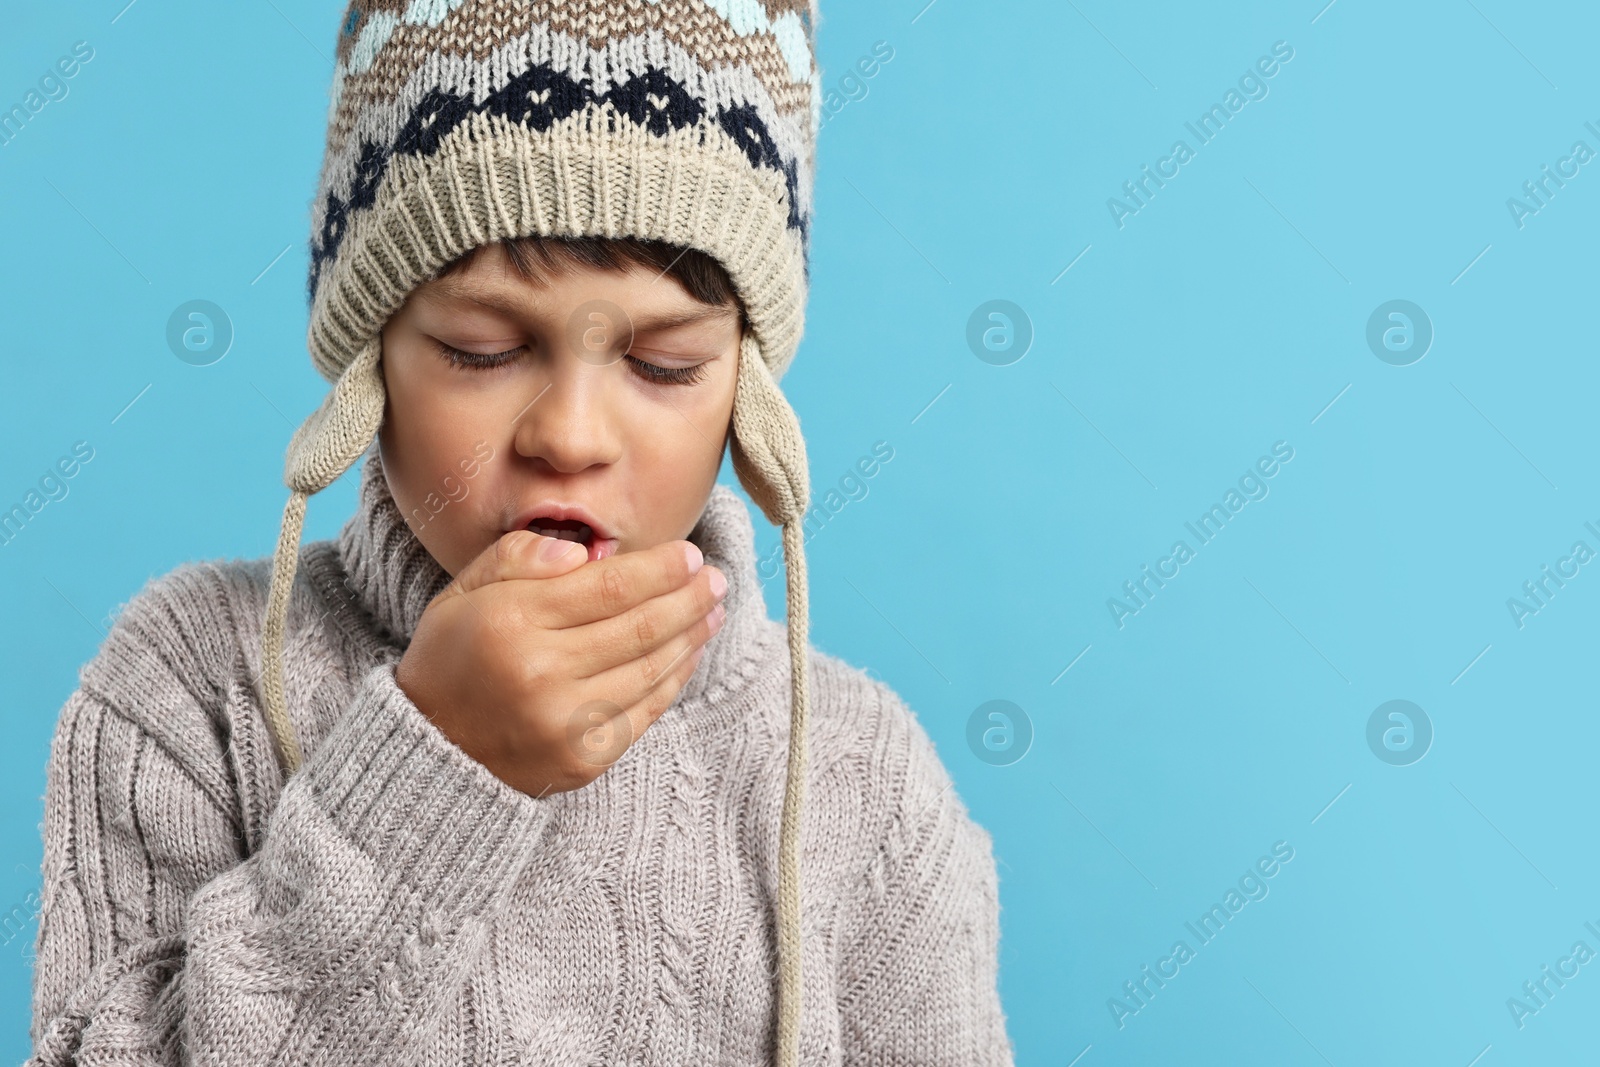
[(536, 258)]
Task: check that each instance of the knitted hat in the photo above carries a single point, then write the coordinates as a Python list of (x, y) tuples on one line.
[(458, 123)]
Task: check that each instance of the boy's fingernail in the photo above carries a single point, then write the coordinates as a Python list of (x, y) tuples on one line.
[(719, 583), (692, 553), (554, 548)]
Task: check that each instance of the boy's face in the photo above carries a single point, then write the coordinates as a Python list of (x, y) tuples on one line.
[(559, 408)]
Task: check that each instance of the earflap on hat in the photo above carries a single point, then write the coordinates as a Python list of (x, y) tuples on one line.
[(769, 453), (769, 456), (326, 445)]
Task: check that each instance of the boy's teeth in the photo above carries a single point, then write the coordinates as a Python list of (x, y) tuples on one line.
[(578, 532)]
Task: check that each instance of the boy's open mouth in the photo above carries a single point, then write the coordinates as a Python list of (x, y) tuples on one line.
[(566, 529), (573, 530)]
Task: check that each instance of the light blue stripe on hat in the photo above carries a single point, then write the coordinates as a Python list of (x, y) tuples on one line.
[(748, 17), (745, 17)]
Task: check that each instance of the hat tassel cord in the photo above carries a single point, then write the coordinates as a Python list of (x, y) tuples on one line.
[(285, 559), (789, 943)]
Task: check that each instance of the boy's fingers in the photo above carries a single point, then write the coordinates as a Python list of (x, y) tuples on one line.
[(608, 587), (637, 647), (659, 697), (520, 554), (608, 736)]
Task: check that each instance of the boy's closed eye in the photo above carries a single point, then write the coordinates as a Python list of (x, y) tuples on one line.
[(664, 370), (667, 342)]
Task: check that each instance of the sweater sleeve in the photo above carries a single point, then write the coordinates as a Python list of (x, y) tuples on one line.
[(920, 959), (342, 939)]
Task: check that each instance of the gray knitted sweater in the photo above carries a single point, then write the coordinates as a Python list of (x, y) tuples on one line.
[(394, 903)]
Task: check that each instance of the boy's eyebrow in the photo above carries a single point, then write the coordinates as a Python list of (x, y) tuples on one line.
[(497, 300)]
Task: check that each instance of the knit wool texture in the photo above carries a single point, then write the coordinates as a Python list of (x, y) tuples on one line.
[(393, 903), (457, 123)]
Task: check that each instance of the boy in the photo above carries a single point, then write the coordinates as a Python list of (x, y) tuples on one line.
[(493, 777)]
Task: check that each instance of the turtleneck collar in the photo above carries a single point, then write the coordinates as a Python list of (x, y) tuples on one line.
[(393, 576)]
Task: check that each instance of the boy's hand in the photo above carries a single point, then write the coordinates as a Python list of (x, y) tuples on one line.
[(546, 670)]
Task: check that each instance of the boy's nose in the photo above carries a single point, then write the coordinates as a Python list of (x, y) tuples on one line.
[(569, 424)]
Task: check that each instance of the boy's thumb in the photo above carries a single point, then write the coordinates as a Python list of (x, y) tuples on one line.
[(521, 554)]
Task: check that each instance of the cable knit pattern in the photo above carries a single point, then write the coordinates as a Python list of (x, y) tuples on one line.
[(394, 903)]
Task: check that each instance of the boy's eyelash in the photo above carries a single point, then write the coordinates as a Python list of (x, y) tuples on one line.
[(474, 360), (649, 371), (668, 375)]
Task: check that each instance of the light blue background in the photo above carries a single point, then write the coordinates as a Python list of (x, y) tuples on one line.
[(1225, 316)]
